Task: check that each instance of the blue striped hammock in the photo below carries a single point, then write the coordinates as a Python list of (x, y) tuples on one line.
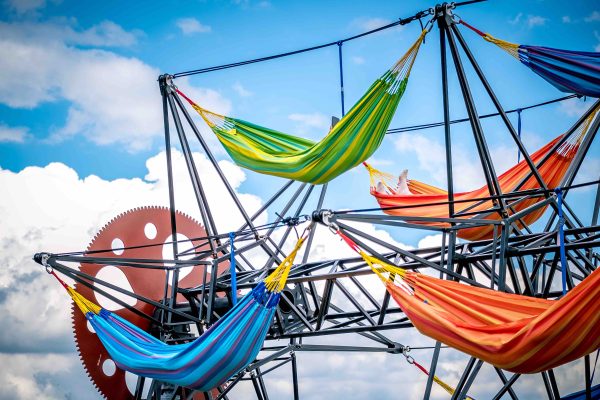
[(569, 71), (225, 349)]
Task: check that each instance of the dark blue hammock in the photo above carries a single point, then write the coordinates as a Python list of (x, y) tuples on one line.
[(569, 71)]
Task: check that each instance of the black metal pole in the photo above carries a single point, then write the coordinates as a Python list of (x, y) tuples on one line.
[(295, 375), (563, 139), (484, 154), (576, 162), (215, 164), (440, 14), (588, 378), (463, 378), (596, 207), (164, 88), (432, 368), (209, 223), (499, 108)]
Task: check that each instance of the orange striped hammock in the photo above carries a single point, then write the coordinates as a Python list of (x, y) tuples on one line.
[(425, 198), (516, 333)]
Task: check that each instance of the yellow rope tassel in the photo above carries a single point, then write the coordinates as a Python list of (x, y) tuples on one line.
[(376, 175), (510, 48), (276, 281), (84, 304), (381, 268)]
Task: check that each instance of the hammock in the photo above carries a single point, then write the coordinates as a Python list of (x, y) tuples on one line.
[(517, 333), (223, 350), (569, 71), (552, 161), (353, 139)]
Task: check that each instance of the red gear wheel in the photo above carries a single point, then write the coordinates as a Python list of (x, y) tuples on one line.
[(132, 229)]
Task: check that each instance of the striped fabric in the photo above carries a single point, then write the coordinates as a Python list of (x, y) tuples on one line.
[(569, 71), (425, 199), (353, 139), (223, 350), (517, 333), (226, 348)]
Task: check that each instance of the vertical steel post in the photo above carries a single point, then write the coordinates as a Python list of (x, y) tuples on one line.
[(588, 378), (482, 148), (432, 368), (209, 223), (163, 82), (516, 135), (295, 375), (440, 14)]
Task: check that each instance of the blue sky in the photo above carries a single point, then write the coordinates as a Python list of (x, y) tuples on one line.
[(78, 89)]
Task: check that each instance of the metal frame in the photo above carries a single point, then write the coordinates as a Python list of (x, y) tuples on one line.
[(515, 260)]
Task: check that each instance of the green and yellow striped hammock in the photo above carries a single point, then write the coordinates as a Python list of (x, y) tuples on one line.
[(353, 139)]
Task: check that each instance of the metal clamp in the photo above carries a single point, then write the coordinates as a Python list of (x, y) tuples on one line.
[(42, 259), (409, 358), (333, 227)]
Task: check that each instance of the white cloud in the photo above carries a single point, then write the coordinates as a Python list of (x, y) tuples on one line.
[(44, 376), (113, 99), (516, 19), (536, 20), (26, 6), (380, 162), (190, 26), (65, 30), (593, 17), (358, 60), (107, 33), (597, 36), (241, 90), (573, 107), (531, 20), (17, 134), (313, 120), (53, 209), (467, 172), (566, 19), (430, 241), (369, 24)]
